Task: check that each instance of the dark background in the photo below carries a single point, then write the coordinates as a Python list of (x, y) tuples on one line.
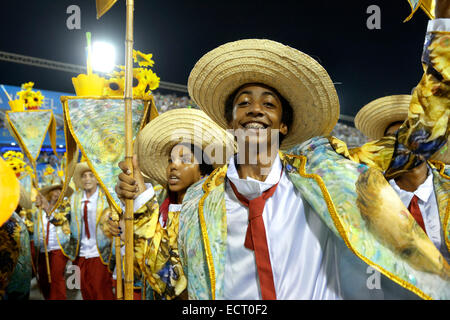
[(368, 63)]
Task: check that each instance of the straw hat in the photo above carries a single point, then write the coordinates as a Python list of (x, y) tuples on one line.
[(373, 119), (46, 190), (300, 79), (155, 142), (80, 168)]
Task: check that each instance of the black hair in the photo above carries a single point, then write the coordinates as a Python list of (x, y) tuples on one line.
[(287, 113), (203, 162), (205, 168)]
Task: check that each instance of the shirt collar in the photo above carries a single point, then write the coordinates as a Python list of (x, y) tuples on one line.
[(252, 188), (92, 198), (423, 192)]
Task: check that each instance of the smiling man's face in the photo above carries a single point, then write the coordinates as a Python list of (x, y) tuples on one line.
[(257, 111)]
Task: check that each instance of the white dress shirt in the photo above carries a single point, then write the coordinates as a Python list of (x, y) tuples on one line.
[(52, 240), (303, 250), (88, 247), (429, 209)]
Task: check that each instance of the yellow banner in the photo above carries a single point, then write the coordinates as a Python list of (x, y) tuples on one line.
[(103, 6), (426, 5)]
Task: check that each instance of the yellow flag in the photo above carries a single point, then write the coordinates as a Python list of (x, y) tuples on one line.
[(103, 6), (426, 5)]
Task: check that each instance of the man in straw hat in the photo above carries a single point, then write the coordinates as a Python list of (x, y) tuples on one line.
[(55, 289), (425, 189), (87, 245), (428, 182), (175, 150), (276, 225)]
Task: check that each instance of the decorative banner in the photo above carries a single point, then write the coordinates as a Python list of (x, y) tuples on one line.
[(96, 127), (29, 128), (426, 5), (103, 6)]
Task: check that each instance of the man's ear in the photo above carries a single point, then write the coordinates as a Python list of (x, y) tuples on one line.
[(284, 129)]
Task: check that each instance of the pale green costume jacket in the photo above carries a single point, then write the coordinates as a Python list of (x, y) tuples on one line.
[(69, 220)]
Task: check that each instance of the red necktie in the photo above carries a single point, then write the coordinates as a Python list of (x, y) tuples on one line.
[(415, 212), (46, 235), (256, 240), (85, 218)]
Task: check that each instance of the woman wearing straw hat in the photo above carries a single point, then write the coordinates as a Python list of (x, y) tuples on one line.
[(276, 225), (175, 150), (425, 189), (56, 288)]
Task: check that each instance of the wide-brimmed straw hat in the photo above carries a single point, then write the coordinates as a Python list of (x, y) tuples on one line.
[(300, 79), (46, 190), (80, 168), (374, 118), (155, 142)]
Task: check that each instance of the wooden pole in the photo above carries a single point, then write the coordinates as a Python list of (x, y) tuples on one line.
[(129, 237), (119, 286)]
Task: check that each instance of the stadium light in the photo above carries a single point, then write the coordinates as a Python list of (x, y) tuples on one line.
[(103, 57)]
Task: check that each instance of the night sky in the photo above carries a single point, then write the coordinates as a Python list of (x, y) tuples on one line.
[(369, 63)]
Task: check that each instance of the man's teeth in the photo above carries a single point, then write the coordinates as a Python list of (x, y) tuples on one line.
[(254, 125)]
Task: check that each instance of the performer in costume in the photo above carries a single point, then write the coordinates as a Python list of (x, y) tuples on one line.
[(46, 200), (310, 205), (250, 103), (428, 183), (171, 151), (15, 269), (87, 245)]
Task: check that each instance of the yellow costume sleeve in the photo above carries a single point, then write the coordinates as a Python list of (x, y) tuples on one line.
[(156, 251)]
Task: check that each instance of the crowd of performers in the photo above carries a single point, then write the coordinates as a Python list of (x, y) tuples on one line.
[(303, 218)]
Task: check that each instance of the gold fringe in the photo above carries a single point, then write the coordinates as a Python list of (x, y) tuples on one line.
[(206, 243)]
